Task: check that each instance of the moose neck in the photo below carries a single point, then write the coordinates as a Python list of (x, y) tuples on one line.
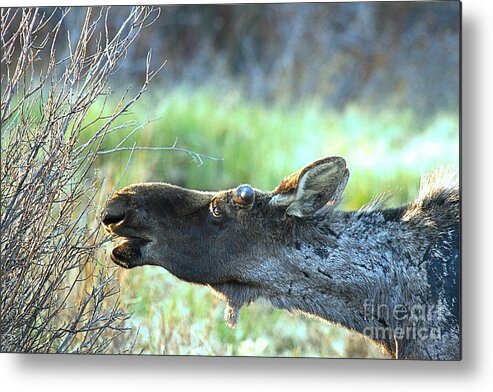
[(356, 272), (357, 275)]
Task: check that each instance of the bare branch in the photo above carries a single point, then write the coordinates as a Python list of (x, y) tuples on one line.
[(55, 295), (197, 157)]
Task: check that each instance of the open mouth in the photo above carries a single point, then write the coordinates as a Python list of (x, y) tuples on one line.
[(128, 253)]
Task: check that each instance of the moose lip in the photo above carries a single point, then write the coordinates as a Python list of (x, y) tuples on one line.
[(128, 253)]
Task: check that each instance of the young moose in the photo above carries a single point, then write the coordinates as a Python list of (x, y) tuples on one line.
[(390, 274)]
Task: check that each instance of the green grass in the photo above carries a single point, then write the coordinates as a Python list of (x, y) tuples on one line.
[(177, 318), (260, 145)]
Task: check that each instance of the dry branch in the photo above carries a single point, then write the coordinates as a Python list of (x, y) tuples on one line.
[(55, 296)]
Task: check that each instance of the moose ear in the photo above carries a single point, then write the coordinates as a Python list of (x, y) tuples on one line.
[(311, 188)]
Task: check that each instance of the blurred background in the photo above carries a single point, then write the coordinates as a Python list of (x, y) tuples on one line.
[(266, 89), (270, 87)]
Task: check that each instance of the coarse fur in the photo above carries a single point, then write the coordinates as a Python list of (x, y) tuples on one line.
[(389, 274)]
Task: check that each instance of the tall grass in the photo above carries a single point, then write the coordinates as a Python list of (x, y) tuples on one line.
[(260, 145)]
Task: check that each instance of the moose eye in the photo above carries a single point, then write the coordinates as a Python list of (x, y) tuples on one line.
[(215, 210)]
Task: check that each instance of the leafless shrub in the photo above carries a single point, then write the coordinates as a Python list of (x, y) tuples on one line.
[(55, 296)]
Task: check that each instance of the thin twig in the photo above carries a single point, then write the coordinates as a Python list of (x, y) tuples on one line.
[(55, 295), (197, 157)]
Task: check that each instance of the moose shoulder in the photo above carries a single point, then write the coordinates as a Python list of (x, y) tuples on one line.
[(390, 274)]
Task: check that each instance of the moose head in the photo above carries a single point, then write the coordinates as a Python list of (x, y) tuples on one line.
[(218, 237)]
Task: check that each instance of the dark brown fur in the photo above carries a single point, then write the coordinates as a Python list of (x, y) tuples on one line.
[(293, 247)]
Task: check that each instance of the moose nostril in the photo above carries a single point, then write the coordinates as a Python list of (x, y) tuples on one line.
[(110, 218), (114, 212)]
